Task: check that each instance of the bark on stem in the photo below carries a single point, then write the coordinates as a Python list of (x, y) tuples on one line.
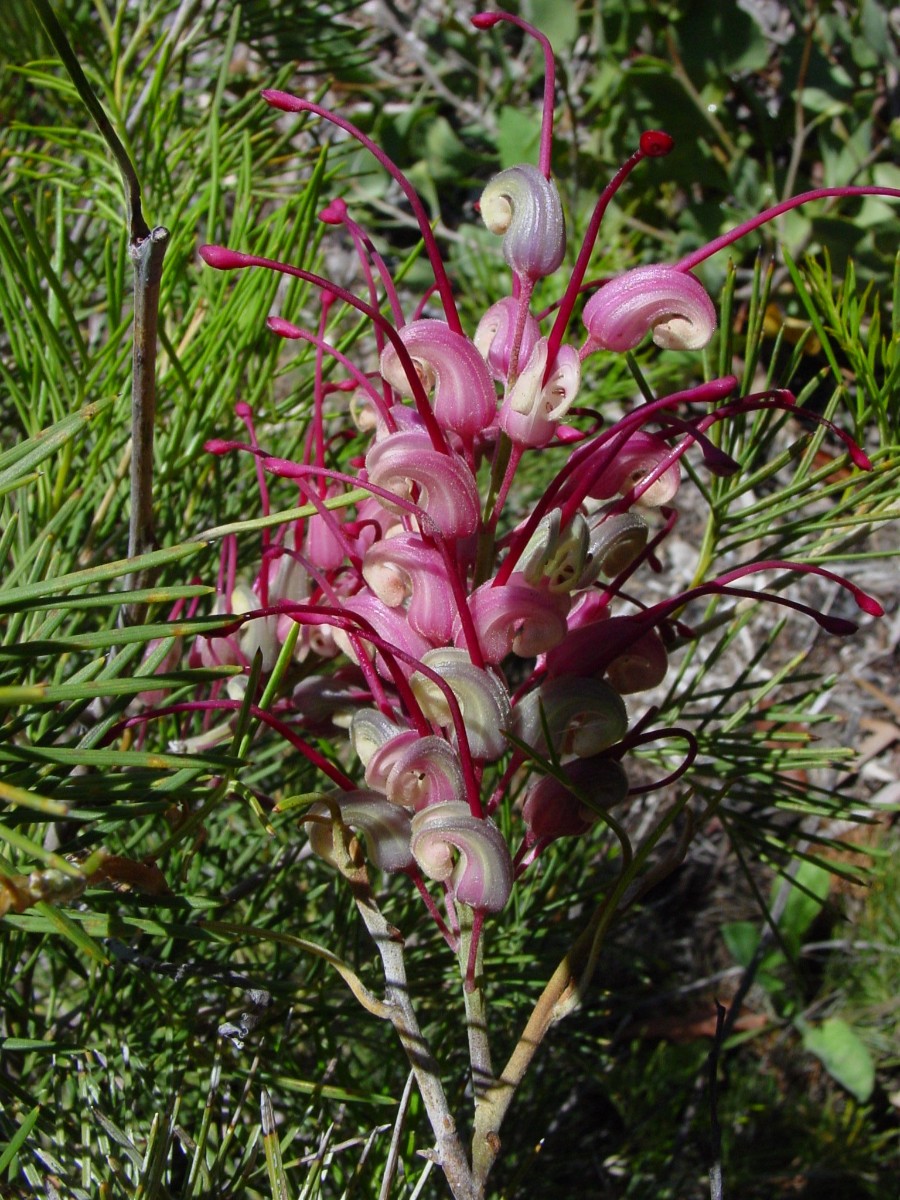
[(449, 1153), (147, 255), (562, 994)]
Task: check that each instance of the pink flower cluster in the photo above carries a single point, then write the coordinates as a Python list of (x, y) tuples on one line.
[(452, 638)]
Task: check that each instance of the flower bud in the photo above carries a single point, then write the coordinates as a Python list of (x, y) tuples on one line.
[(494, 337), (515, 618), (447, 490), (369, 730), (641, 667), (388, 623), (552, 810), (638, 459), (532, 408), (403, 568), (613, 545), (581, 716), (481, 696), (524, 206), (426, 771), (557, 557)]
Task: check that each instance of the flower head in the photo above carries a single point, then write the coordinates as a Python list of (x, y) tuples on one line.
[(463, 632)]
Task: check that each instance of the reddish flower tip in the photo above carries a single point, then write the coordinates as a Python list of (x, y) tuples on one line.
[(283, 100), (218, 446), (568, 433), (486, 20), (222, 258), (242, 409), (282, 327), (654, 143), (334, 213), (867, 603)]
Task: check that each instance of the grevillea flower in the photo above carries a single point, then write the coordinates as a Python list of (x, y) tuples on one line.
[(636, 460), (581, 716), (669, 304), (425, 771), (538, 400), (466, 852), (496, 337), (523, 205), (516, 618), (452, 372), (405, 570), (614, 542), (482, 698), (553, 809), (555, 556), (464, 633), (447, 491), (385, 828)]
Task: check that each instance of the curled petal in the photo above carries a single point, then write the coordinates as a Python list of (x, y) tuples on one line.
[(468, 852), (260, 634), (657, 299), (552, 810), (450, 369), (369, 730), (426, 771), (515, 618), (642, 666), (384, 826), (495, 333), (614, 543), (524, 206), (389, 623), (447, 490), (481, 696), (380, 765), (557, 557), (582, 716), (638, 459), (404, 568), (532, 408)]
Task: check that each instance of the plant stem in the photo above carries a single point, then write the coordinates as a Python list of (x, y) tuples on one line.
[(561, 996), (147, 249), (147, 255), (476, 1008), (448, 1151)]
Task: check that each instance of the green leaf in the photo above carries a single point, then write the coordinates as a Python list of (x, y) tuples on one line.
[(741, 938), (518, 135), (803, 904), (17, 1141), (558, 19), (843, 1054)]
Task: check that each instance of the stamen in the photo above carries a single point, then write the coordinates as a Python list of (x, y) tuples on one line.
[(487, 20), (697, 256), (289, 103)]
